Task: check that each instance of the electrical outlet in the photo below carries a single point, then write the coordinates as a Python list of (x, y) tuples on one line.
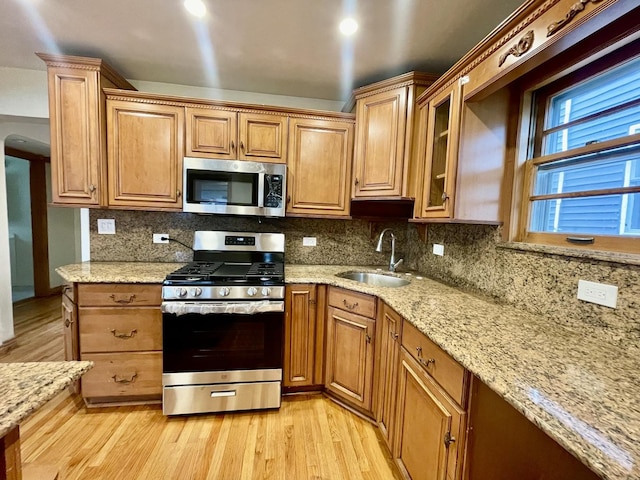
[(438, 249), (599, 293), (107, 226), (158, 238), (309, 241)]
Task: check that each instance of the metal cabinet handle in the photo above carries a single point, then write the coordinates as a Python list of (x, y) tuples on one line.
[(394, 335), (241, 145), (357, 181), (350, 306), (288, 198), (67, 322), (178, 193), (428, 362), (233, 145), (125, 380), (124, 336), (123, 300), (368, 338), (444, 196), (448, 439)]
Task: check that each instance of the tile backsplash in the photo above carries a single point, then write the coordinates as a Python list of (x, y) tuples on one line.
[(339, 242)]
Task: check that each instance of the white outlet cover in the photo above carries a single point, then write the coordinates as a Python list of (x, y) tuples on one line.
[(157, 238), (107, 226), (309, 241), (600, 293), (438, 249)]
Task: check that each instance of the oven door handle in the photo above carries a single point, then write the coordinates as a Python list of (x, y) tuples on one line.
[(261, 185), (225, 393), (205, 308)]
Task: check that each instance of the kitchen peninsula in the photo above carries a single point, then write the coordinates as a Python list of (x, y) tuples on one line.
[(576, 386)]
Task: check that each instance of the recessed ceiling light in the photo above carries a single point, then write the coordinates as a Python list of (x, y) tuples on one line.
[(197, 8), (348, 26)]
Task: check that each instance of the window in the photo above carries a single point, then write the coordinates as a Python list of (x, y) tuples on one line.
[(584, 186)]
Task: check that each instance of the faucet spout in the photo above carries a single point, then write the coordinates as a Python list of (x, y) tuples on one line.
[(392, 261)]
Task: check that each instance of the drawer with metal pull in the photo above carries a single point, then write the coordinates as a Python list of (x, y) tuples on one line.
[(354, 302), (123, 374), (119, 295), (120, 329), (449, 374)]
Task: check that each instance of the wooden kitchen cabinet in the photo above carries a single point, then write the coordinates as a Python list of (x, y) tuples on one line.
[(70, 325), (304, 336), (388, 344), (78, 130), (120, 330), (350, 348), (145, 152), (430, 426), (229, 134), (319, 167), (385, 162)]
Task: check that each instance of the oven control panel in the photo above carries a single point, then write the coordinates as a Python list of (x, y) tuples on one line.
[(222, 293)]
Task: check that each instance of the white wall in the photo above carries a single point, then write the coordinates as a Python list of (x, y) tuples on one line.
[(23, 93), (19, 217)]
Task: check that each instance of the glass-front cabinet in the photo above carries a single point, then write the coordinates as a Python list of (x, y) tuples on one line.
[(441, 114)]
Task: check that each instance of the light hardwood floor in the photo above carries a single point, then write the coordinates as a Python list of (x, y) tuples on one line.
[(310, 437)]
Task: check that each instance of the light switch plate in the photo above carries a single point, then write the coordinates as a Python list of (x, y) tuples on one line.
[(308, 241), (107, 226), (599, 293), (438, 249)]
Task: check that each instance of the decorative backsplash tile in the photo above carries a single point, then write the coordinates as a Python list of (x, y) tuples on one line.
[(339, 242)]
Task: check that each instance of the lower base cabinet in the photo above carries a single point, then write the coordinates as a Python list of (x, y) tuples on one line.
[(430, 426)]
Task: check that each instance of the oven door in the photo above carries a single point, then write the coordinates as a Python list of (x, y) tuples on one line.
[(222, 336)]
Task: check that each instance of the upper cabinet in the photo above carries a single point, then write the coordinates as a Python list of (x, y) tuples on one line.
[(385, 165), (145, 152), (319, 173), (232, 135), (78, 131)]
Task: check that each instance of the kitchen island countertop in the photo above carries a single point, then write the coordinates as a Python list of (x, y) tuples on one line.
[(576, 385)]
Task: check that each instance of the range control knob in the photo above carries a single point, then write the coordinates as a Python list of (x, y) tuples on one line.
[(251, 291), (195, 292), (224, 291), (266, 292), (181, 292)]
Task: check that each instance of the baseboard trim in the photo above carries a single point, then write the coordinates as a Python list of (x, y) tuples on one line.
[(8, 345)]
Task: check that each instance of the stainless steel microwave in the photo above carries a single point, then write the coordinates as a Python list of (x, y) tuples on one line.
[(234, 187)]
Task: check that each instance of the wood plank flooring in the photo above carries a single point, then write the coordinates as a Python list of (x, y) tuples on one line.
[(310, 437)]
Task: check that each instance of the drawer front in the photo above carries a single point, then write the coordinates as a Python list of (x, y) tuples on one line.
[(451, 376), (123, 374), (69, 291), (353, 302), (120, 329), (119, 294)]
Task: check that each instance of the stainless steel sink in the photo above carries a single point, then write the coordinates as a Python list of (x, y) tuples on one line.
[(375, 279)]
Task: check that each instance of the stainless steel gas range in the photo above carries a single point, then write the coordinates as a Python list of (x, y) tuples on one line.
[(223, 321)]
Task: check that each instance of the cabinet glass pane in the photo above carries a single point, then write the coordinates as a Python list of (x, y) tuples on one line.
[(439, 154)]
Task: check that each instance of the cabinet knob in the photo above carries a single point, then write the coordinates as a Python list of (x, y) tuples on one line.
[(67, 322), (178, 193), (241, 145), (288, 198), (357, 181), (233, 145), (92, 188), (394, 335), (448, 439), (444, 196)]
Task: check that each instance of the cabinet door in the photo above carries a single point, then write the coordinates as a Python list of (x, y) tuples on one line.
[(380, 143), (389, 333), (145, 151), (76, 142), (430, 427), (263, 137), (299, 335), (320, 153), (70, 324), (349, 361), (211, 133), (441, 154)]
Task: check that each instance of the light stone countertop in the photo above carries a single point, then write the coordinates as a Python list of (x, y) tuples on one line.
[(581, 390), (25, 387)]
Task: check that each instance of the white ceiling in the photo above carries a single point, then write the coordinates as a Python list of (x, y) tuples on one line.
[(286, 47)]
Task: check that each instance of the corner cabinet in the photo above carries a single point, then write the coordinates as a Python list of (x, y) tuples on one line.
[(77, 123), (145, 152), (319, 167), (304, 336), (229, 134), (350, 347), (385, 163)]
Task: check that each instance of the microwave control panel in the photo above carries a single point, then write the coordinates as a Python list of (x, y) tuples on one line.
[(273, 191)]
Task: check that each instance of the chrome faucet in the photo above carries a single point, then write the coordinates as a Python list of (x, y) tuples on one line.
[(392, 261)]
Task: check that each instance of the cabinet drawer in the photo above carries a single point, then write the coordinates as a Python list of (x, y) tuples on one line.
[(451, 376), (353, 302), (69, 291), (120, 329), (119, 294), (123, 375)]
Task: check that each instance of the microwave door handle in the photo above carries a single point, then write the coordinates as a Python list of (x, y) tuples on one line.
[(261, 181)]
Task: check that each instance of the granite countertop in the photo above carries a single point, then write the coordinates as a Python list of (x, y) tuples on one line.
[(25, 387), (575, 385)]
